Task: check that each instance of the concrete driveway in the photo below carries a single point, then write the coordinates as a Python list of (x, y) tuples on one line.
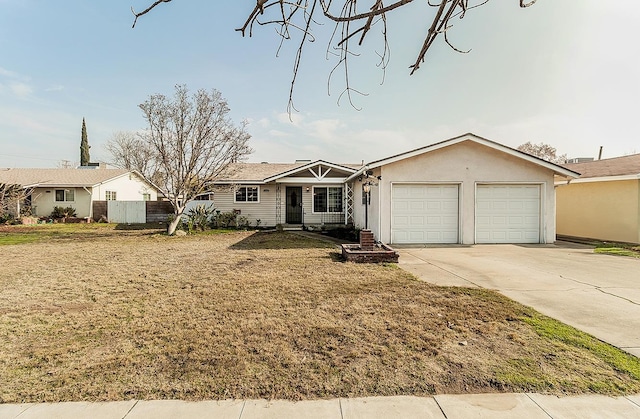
[(599, 294)]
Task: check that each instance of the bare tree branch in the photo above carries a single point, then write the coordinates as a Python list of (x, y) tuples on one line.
[(145, 11), (350, 20), (190, 140)]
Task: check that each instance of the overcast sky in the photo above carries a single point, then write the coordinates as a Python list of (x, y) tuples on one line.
[(563, 72)]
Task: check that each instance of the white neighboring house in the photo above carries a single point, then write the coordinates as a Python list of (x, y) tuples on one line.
[(78, 188)]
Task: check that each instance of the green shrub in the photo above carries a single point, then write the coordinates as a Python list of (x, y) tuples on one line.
[(60, 212), (226, 219), (198, 217), (242, 222)]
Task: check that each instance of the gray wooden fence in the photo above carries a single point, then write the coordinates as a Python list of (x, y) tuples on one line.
[(134, 212)]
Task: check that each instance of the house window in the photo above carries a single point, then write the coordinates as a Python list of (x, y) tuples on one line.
[(110, 195), (327, 199), (247, 194), (65, 195), (146, 197)]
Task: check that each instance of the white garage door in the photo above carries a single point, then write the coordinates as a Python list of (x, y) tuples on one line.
[(508, 214), (424, 213)]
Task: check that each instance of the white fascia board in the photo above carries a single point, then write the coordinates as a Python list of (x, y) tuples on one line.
[(307, 167), (142, 178), (359, 172), (602, 179), (238, 182), (488, 143), (306, 180)]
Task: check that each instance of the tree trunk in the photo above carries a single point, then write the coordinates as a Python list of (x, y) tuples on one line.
[(171, 228)]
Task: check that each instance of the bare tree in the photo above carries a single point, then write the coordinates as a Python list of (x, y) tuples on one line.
[(190, 141), (543, 151), (130, 151), (11, 199), (352, 22)]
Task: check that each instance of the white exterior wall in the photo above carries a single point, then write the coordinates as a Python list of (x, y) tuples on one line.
[(264, 209), (128, 188), (466, 164), (43, 200), (373, 207)]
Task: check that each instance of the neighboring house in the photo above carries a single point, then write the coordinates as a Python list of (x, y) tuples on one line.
[(78, 188), (302, 193), (463, 190), (604, 203)]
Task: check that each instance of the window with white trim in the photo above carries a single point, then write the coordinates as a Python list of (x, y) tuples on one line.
[(146, 197), (327, 199), (65, 195), (246, 194), (110, 195)]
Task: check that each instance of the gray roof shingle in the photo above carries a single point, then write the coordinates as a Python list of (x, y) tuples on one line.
[(616, 166), (58, 177)]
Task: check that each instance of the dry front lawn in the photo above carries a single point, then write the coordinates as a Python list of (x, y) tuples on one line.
[(139, 315)]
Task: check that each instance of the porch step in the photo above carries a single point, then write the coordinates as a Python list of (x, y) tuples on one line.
[(292, 227)]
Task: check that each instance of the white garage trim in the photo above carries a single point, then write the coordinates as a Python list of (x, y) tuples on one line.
[(509, 213), (425, 212)]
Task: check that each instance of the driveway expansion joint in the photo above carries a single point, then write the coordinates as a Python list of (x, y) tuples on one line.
[(132, 407), (537, 404)]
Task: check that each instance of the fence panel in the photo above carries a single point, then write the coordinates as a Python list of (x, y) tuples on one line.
[(158, 211), (130, 212)]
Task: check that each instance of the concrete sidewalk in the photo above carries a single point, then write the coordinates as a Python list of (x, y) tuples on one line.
[(493, 406)]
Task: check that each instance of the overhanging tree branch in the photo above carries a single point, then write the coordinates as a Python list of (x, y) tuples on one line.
[(351, 19)]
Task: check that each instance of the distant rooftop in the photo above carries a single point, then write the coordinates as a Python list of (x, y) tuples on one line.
[(58, 177), (616, 166)]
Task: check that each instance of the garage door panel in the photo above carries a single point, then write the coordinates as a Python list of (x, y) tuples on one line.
[(508, 214), (400, 236), (401, 221), (424, 213)]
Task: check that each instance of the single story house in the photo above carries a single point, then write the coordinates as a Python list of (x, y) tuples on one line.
[(466, 190), (302, 193), (604, 203), (78, 188)]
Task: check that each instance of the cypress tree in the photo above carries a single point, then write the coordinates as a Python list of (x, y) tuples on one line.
[(84, 146)]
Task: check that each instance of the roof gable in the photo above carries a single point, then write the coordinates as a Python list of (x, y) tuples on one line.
[(268, 172), (319, 169), (557, 169)]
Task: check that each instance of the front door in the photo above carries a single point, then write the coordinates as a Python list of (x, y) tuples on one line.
[(294, 205)]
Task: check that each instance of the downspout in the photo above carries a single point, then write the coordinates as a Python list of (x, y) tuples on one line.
[(380, 211), (90, 202)]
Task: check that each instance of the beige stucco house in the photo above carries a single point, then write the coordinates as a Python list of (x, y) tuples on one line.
[(302, 193), (78, 188), (604, 203), (463, 190)]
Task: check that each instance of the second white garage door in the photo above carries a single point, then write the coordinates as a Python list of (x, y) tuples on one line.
[(508, 214), (424, 213)]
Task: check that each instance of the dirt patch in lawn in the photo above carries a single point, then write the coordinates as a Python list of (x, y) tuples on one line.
[(264, 315)]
